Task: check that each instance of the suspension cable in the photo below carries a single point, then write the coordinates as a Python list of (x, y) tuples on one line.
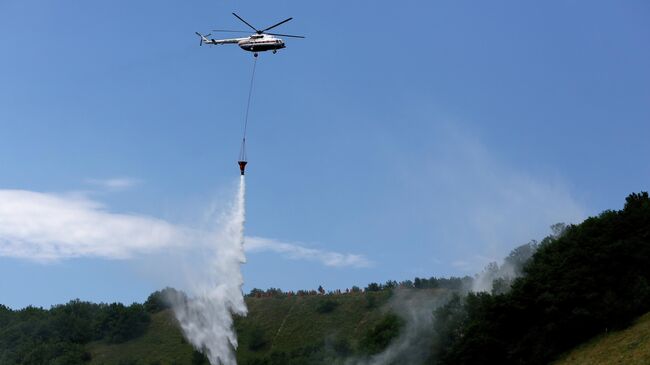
[(242, 151)]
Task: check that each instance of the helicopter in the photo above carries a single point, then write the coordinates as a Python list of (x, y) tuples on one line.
[(259, 42)]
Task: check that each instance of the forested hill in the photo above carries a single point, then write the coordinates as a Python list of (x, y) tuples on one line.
[(583, 282), (306, 327), (592, 279)]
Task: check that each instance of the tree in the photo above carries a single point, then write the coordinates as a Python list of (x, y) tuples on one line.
[(406, 284), (119, 323), (257, 339), (518, 257), (163, 299), (390, 284), (327, 306), (379, 336), (373, 287), (256, 292)]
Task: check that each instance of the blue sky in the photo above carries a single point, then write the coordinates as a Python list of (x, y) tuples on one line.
[(427, 138)]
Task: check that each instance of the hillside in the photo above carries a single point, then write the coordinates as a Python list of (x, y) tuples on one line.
[(589, 279), (286, 325), (161, 342), (629, 346), (293, 324), (280, 328), (274, 328)]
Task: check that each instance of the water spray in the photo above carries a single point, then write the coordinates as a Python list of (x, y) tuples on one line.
[(206, 317)]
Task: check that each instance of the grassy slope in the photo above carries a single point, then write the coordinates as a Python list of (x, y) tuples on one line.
[(287, 324), (292, 323), (629, 346), (162, 342)]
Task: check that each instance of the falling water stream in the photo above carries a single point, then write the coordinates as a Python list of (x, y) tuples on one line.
[(206, 318)]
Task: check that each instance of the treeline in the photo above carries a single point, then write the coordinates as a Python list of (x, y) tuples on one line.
[(591, 279), (57, 336), (460, 284), (451, 283)]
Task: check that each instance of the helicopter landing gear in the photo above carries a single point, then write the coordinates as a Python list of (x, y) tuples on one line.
[(275, 51), (255, 54)]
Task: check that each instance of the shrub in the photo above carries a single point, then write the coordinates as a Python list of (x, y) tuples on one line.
[(257, 339), (327, 306), (380, 336)]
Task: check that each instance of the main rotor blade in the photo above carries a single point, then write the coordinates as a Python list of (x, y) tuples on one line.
[(273, 26), (245, 22), (231, 31), (286, 35)]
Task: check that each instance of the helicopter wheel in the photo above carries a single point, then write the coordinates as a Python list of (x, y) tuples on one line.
[(275, 51), (255, 54)]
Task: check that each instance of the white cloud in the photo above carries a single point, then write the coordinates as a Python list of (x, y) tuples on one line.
[(297, 252), (49, 227), (42, 227), (115, 184)]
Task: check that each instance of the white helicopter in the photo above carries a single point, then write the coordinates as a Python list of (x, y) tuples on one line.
[(258, 42)]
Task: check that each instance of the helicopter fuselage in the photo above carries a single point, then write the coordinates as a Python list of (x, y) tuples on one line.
[(261, 43)]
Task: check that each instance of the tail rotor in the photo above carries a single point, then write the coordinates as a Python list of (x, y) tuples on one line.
[(203, 37)]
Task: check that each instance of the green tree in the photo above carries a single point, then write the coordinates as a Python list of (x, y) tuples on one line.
[(380, 336), (257, 339), (326, 306), (373, 287), (163, 299)]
